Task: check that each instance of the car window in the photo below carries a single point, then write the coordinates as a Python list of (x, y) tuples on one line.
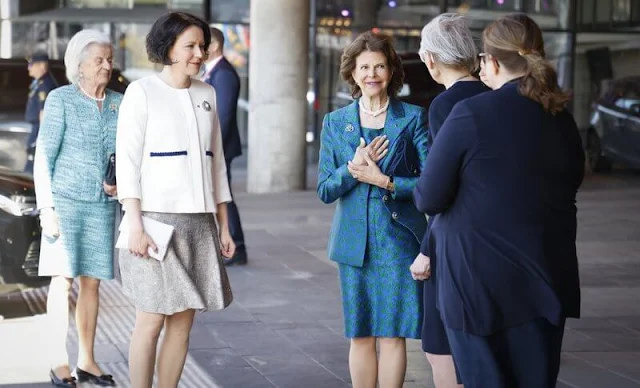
[(628, 100), (14, 83)]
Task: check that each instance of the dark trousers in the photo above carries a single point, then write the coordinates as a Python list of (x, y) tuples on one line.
[(235, 227), (526, 356)]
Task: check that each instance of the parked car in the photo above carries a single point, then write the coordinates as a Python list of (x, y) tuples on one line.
[(19, 228), (418, 89), (19, 222), (614, 132)]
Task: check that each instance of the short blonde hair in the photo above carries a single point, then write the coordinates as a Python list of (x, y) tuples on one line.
[(448, 38), (77, 49)]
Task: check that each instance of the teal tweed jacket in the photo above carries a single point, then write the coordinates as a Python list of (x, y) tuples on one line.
[(405, 127), (75, 141)]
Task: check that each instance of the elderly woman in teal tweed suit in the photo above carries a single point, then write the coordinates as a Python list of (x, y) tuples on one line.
[(371, 155), (77, 211)]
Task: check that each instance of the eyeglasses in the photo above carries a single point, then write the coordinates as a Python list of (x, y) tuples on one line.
[(483, 58)]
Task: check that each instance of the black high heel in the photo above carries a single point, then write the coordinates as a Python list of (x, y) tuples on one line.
[(102, 380), (64, 382)]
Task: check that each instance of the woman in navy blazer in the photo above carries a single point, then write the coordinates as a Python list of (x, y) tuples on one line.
[(450, 54), (370, 157), (503, 175)]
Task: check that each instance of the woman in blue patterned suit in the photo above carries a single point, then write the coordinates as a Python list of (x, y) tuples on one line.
[(77, 211), (370, 158)]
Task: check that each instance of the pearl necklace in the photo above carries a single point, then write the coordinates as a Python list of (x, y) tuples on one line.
[(373, 113), (98, 99)]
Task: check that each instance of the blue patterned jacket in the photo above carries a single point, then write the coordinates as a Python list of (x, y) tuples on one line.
[(406, 130), (73, 146)]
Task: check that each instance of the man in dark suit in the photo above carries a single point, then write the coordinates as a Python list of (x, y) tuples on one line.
[(220, 74), (43, 82)]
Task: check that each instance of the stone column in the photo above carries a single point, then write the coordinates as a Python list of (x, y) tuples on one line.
[(278, 83)]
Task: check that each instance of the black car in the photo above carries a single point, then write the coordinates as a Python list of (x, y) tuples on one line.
[(614, 132), (19, 228), (19, 222)]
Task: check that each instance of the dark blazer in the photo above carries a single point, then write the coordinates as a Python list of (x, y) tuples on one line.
[(439, 110), (503, 175), (224, 79), (341, 132)]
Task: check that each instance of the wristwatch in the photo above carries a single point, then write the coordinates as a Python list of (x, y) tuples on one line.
[(390, 185)]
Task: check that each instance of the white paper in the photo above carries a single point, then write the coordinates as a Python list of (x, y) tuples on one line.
[(159, 232)]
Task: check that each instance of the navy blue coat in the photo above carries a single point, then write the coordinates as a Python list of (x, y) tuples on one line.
[(503, 175), (224, 79)]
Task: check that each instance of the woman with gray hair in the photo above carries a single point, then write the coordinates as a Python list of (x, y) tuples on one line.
[(77, 206), (450, 54)]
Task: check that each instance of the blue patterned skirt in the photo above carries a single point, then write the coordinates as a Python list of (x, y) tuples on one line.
[(85, 246), (380, 299)]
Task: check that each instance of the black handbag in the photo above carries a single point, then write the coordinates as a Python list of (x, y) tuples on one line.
[(110, 176)]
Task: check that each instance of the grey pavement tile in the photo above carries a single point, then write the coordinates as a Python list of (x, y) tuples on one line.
[(216, 358), (308, 377), (203, 338), (612, 301), (576, 372), (574, 341), (340, 369), (233, 313), (623, 363), (628, 322), (236, 377), (619, 338), (104, 353), (248, 339)]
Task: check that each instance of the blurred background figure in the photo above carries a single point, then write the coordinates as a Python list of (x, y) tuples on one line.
[(221, 74), (43, 83)]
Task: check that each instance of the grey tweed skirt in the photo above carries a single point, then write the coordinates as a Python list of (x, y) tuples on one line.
[(191, 276)]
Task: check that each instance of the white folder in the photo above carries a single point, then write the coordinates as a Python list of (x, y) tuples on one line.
[(159, 232)]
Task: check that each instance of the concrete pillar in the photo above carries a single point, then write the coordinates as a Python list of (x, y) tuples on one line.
[(278, 83)]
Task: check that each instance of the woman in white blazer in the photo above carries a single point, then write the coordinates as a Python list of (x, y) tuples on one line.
[(171, 168)]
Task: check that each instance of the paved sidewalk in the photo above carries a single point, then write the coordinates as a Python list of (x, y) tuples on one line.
[(284, 328)]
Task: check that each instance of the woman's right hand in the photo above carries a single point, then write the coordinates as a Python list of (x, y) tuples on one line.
[(49, 222), (376, 150), (139, 244)]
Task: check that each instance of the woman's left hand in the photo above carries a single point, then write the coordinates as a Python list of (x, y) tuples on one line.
[(227, 246), (111, 191), (369, 173)]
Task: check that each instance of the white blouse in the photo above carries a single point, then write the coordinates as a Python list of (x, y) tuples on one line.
[(169, 148)]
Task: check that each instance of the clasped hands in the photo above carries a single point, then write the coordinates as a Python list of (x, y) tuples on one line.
[(364, 165)]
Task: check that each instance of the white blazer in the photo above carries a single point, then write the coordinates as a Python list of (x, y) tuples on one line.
[(169, 148)]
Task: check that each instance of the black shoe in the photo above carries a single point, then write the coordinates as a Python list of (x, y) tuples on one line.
[(58, 382), (102, 380), (239, 258)]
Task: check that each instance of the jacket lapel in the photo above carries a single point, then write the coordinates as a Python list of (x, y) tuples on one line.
[(349, 126), (395, 123)]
